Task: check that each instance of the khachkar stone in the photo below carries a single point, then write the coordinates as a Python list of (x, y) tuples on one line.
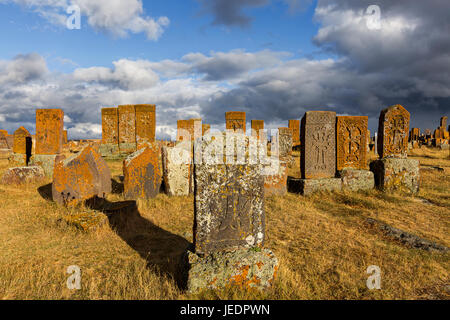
[(127, 129), (393, 130), (81, 177), (49, 139), (257, 128), (189, 130), (275, 178), (145, 123), (235, 121), (229, 225), (205, 128), (294, 125), (143, 172), (443, 122), (177, 169), (65, 140), (285, 142), (351, 148), (49, 131), (318, 145), (21, 149), (415, 134)]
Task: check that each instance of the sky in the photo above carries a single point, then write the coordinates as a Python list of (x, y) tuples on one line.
[(273, 59)]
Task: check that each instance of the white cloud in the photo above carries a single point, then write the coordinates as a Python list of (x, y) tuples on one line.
[(116, 17)]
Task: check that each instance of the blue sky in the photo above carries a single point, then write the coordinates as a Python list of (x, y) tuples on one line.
[(201, 58), (273, 27)]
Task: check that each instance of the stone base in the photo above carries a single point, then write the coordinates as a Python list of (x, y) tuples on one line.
[(310, 186), (20, 175), (17, 160), (46, 162), (127, 148), (108, 150), (396, 174), (245, 268), (275, 179), (5, 153), (357, 180)]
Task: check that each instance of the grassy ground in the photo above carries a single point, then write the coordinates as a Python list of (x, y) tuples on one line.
[(322, 242)]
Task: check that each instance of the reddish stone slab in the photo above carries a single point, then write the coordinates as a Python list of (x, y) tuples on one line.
[(235, 120), (393, 130), (49, 131), (145, 123), (351, 148)]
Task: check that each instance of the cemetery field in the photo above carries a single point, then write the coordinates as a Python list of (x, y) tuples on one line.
[(323, 242)]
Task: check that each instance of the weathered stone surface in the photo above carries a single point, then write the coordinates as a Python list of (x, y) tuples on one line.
[(110, 126), (81, 177), (443, 122), (351, 148), (357, 180), (393, 130), (3, 142), (145, 123), (22, 141), (309, 186), (86, 221), (46, 161), (205, 128), (49, 131), (229, 207), (235, 120), (177, 169), (20, 175), (65, 139), (18, 160), (396, 174), (245, 268), (127, 128), (285, 142), (414, 135), (318, 145), (143, 173), (275, 178), (109, 150), (294, 125), (257, 129), (189, 130)]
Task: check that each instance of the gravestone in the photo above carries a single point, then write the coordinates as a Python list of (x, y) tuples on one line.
[(49, 131), (81, 177), (275, 178), (65, 139), (257, 128), (351, 148), (443, 122), (285, 142), (205, 128), (22, 175), (143, 172), (294, 125), (235, 121), (177, 169), (415, 134), (318, 145), (393, 130), (127, 129), (145, 123), (21, 149), (110, 132)]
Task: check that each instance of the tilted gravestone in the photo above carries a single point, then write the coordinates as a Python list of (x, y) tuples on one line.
[(81, 177), (143, 172)]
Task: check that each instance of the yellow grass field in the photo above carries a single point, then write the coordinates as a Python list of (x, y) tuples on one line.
[(323, 244)]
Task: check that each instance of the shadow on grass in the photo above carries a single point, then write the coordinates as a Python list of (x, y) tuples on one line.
[(46, 192), (160, 248)]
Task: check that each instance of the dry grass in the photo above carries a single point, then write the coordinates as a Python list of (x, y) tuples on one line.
[(322, 242)]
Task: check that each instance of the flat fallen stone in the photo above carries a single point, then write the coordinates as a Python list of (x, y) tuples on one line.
[(21, 175), (309, 186), (243, 268), (357, 180)]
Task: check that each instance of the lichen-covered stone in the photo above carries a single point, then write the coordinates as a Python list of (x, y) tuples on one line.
[(393, 128), (229, 206), (275, 178), (294, 125), (246, 269), (127, 129), (258, 129), (357, 180), (46, 161), (18, 160), (396, 174), (21, 175), (351, 142), (177, 169), (310, 186), (3, 141), (86, 221), (235, 121), (81, 177), (49, 131), (22, 141), (318, 145), (143, 172), (285, 142), (109, 150), (145, 122)]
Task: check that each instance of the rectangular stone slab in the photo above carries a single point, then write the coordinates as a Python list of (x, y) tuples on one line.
[(393, 128), (351, 148), (318, 145), (235, 120), (145, 122), (110, 125), (49, 131), (229, 207), (294, 125), (127, 124)]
